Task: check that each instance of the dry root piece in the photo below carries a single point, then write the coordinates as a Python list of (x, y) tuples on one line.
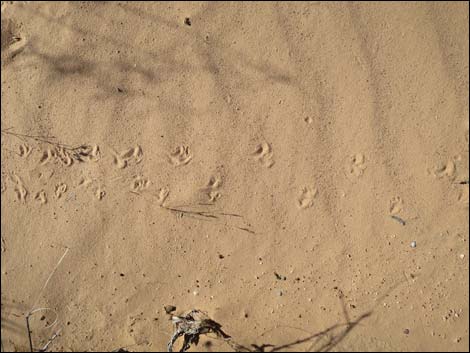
[(191, 325)]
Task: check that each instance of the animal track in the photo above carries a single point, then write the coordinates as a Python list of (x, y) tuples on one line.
[(139, 184), (47, 156), (41, 197), (20, 190), (67, 156), (448, 170), (464, 195), (212, 187), (162, 195), (396, 205), (85, 181), (307, 195), (356, 165), (122, 159), (25, 151), (60, 190), (181, 156), (86, 153), (100, 193), (12, 42), (264, 154)]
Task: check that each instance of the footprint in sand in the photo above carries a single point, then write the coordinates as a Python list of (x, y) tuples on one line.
[(85, 181), (212, 188), (396, 205), (52, 154), (122, 159), (13, 43), (24, 150), (63, 156), (264, 154), (445, 170), (180, 156), (139, 184), (306, 198), (20, 190), (41, 197), (463, 197), (86, 153), (67, 156), (356, 164), (162, 195), (100, 193), (48, 156), (60, 190)]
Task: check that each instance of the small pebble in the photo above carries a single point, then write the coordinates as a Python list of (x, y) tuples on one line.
[(406, 331), (462, 256), (169, 308), (413, 244), (195, 293)]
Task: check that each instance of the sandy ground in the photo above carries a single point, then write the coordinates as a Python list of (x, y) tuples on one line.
[(287, 168)]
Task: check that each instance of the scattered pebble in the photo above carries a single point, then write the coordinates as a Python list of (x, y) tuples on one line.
[(169, 308), (413, 244), (406, 331), (195, 293), (462, 256)]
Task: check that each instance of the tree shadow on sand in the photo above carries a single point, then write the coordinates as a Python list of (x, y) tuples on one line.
[(323, 341), (190, 327)]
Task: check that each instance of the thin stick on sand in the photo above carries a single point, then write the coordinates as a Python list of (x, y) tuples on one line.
[(34, 309)]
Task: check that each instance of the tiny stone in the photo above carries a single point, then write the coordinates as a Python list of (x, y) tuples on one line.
[(413, 244), (406, 331), (195, 293), (169, 308), (462, 256)]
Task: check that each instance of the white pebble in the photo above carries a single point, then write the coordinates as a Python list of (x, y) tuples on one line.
[(413, 244), (462, 256)]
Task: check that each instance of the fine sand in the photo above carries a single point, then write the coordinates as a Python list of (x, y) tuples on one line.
[(297, 171)]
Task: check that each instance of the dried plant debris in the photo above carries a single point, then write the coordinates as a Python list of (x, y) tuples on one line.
[(191, 325)]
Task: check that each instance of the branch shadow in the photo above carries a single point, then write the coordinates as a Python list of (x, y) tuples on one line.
[(322, 341)]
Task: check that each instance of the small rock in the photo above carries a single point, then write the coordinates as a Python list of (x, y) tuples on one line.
[(462, 256), (169, 308), (413, 244), (406, 331)]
